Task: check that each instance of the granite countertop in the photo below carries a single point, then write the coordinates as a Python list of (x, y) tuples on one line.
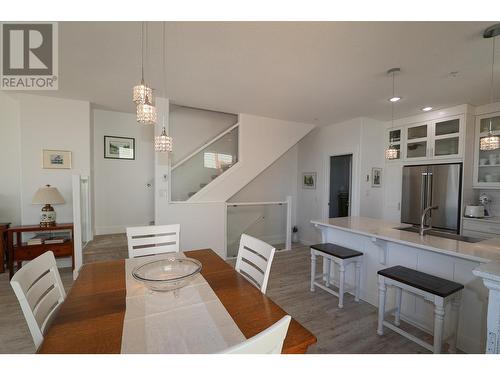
[(482, 252)]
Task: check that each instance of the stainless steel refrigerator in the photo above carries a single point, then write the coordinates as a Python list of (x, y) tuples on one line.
[(432, 185)]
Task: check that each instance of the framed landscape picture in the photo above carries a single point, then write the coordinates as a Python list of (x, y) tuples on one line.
[(119, 148), (56, 159), (309, 180), (376, 177)]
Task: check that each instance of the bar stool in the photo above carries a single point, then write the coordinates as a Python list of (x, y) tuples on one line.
[(341, 256), (432, 288)]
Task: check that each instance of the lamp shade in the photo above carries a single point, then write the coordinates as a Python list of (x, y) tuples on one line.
[(48, 195)]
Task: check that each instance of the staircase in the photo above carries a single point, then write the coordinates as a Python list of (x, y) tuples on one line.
[(204, 165), (202, 182)]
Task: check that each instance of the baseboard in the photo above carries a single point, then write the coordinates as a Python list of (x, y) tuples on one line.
[(306, 243), (110, 230)]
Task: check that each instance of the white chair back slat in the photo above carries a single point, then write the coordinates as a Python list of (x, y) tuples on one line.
[(254, 259), (40, 292), (38, 289), (46, 307), (150, 240), (269, 341)]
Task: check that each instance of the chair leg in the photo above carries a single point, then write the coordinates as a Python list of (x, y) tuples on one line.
[(397, 314), (358, 281), (455, 307), (328, 270), (341, 284), (313, 269), (382, 291), (438, 324)]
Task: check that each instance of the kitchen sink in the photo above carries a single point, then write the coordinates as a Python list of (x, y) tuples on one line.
[(442, 234)]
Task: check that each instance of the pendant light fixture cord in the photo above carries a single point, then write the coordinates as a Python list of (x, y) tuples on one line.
[(492, 80), (142, 51), (164, 73)]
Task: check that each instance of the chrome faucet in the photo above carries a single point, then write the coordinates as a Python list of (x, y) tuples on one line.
[(423, 229)]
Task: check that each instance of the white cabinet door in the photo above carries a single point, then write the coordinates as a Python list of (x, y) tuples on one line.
[(417, 142), (394, 138), (447, 138), (487, 163)]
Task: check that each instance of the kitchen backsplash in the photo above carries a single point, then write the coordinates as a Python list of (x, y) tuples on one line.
[(494, 206)]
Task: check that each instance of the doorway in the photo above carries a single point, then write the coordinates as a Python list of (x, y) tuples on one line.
[(339, 204)]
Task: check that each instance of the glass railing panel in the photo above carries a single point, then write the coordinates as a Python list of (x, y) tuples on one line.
[(210, 162), (267, 222)]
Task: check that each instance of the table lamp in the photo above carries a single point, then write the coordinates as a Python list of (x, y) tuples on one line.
[(47, 195)]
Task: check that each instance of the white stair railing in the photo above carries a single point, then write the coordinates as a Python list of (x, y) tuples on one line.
[(275, 219)]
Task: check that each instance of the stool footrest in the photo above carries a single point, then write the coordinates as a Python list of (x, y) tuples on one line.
[(409, 336)]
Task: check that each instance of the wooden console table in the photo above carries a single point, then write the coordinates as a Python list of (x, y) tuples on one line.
[(3, 244), (20, 251)]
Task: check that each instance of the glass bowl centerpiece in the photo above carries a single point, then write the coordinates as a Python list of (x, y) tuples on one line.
[(167, 274)]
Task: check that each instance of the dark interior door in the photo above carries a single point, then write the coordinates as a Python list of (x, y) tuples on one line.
[(340, 185)]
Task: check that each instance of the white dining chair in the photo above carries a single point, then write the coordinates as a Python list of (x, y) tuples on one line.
[(40, 292), (154, 239), (269, 341), (254, 261)]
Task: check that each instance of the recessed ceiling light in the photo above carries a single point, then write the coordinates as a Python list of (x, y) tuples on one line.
[(427, 109), (395, 99)]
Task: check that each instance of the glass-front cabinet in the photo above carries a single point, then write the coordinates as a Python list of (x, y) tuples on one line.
[(433, 139), (487, 162), (417, 141), (394, 138), (446, 138)]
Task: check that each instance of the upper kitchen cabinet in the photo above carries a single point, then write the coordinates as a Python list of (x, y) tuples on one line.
[(487, 163), (417, 142), (436, 139), (394, 138)]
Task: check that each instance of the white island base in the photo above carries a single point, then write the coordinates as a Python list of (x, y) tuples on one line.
[(384, 247)]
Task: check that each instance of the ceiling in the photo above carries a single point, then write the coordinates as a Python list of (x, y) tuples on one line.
[(315, 72)]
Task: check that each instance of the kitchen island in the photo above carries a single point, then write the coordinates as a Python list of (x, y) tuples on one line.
[(384, 246)]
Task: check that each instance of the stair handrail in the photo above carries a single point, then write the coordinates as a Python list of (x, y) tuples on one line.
[(183, 160), (236, 204)]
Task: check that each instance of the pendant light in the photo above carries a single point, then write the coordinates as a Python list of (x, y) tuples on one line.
[(491, 142), (392, 152), (163, 143), (143, 94)]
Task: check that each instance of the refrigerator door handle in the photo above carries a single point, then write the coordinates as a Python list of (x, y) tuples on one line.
[(429, 190), (423, 191)]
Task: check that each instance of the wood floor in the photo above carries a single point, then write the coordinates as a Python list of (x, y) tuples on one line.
[(348, 330)]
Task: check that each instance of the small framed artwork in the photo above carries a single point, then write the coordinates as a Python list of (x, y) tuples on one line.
[(119, 148), (376, 177), (309, 180), (56, 159)]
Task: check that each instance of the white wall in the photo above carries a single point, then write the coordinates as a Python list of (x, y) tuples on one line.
[(121, 195), (203, 225), (314, 152), (372, 155), (192, 127), (10, 160), (54, 124)]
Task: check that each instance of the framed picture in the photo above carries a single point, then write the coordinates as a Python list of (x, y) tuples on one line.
[(376, 177), (119, 148), (309, 180), (56, 159)]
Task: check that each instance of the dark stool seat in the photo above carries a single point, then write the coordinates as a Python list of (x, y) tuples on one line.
[(336, 250), (423, 281)]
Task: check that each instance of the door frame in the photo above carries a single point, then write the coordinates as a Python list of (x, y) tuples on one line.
[(354, 185)]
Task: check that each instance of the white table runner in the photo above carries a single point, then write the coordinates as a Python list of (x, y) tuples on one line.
[(193, 320)]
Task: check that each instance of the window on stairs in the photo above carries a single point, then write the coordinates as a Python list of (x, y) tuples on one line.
[(216, 160)]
